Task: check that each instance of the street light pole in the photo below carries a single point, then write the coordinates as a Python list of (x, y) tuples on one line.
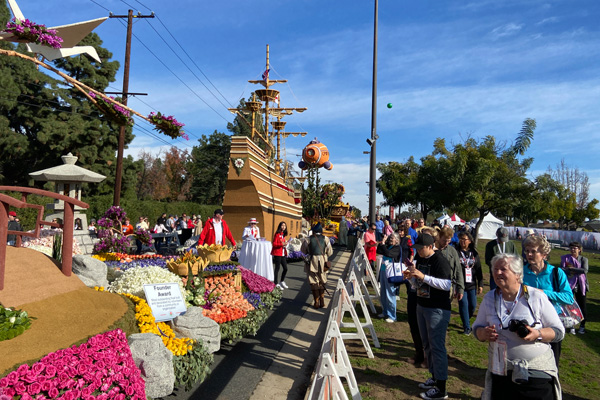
[(372, 179)]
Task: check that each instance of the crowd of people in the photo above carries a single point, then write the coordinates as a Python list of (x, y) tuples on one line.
[(518, 316)]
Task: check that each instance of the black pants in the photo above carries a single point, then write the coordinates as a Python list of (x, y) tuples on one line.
[(411, 309), (535, 389), (580, 298), (280, 260)]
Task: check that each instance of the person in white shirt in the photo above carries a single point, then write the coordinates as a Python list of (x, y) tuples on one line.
[(251, 231)]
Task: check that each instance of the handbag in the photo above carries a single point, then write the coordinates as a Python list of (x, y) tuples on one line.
[(393, 272), (570, 314)]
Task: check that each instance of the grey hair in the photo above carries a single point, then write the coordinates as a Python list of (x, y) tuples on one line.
[(396, 236), (514, 262), (538, 241)]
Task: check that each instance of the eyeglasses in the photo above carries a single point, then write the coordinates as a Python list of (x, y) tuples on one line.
[(532, 251)]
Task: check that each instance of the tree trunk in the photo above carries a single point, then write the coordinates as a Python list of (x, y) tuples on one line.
[(482, 214)]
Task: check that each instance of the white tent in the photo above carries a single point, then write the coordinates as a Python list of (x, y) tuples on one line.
[(442, 219), (488, 227)]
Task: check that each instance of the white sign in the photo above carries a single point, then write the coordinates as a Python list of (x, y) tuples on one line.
[(165, 300)]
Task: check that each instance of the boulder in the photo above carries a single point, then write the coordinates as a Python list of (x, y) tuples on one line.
[(155, 362), (294, 245), (196, 326), (91, 271)]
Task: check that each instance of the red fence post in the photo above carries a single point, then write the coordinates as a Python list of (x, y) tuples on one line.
[(67, 244)]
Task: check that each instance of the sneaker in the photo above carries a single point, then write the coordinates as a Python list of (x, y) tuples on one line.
[(428, 384), (433, 393), (467, 331), (279, 286), (572, 331), (389, 320), (581, 331), (283, 285)]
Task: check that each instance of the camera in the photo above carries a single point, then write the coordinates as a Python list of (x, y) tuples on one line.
[(519, 326)]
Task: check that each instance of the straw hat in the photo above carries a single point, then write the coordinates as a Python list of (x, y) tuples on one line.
[(253, 221)]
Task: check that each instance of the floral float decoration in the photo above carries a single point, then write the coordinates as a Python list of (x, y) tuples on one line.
[(238, 164), (29, 31), (112, 110), (167, 125), (101, 368), (110, 232), (13, 323)]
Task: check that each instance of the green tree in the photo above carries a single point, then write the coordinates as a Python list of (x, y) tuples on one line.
[(209, 165), (41, 119)]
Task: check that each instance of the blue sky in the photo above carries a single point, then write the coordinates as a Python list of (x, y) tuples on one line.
[(450, 69)]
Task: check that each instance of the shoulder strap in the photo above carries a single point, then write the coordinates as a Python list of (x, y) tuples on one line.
[(554, 280)]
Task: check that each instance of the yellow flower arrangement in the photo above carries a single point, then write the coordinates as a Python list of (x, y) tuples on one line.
[(106, 257), (147, 324)]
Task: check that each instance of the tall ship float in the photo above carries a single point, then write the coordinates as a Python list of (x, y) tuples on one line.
[(259, 183)]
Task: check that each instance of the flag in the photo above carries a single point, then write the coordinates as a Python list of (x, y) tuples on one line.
[(265, 75), (277, 100)]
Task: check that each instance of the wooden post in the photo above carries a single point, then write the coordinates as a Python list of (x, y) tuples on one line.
[(3, 235), (67, 244)]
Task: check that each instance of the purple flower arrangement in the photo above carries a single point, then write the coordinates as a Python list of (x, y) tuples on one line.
[(255, 282), (110, 243), (102, 368), (167, 125), (110, 233), (254, 299), (220, 268), (34, 33), (295, 255), (113, 111)]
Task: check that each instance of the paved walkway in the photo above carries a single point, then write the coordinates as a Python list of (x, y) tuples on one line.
[(279, 361)]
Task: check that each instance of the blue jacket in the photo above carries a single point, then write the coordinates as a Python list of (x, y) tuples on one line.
[(543, 281)]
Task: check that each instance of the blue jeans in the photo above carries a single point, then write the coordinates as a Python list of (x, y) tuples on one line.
[(433, 324), (467, 306), (388, 296)]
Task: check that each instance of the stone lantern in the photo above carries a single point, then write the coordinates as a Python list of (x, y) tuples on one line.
[(68, 179)]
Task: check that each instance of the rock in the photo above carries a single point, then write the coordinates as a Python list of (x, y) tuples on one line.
[(155, 362), (294, 245), (91, 271), (196, 326)]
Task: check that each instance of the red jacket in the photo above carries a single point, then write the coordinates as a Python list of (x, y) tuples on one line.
[(208, 233), (279, 245)]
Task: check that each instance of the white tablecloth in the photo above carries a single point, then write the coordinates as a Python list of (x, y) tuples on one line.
[(256, 256)]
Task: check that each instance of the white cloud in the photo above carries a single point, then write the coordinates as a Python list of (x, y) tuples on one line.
[(505, 30)]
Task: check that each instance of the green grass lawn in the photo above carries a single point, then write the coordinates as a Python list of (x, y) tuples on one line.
[(387, 376)]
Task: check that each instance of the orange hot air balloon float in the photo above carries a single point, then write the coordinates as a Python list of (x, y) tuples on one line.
[(315, 155)]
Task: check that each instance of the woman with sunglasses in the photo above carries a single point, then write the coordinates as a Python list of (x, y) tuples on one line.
[(519, 323), (576, 267)]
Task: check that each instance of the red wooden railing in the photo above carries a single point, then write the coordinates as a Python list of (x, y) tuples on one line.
[(67, 225)]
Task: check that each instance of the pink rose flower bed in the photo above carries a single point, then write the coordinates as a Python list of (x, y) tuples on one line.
[(255, 282), (101, 368)]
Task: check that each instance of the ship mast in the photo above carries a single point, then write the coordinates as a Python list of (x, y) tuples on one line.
[(268, 96)]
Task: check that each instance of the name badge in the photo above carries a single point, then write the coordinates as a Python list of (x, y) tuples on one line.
[(468, 275)]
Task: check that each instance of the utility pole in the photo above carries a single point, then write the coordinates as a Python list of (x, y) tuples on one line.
[(374, 136), (118, 177)]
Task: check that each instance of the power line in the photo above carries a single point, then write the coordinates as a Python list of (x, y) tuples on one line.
[(99, 5), (178, 78)]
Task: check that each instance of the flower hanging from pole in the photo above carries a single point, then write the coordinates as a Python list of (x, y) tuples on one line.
[(112, 111), (167, 125), (238, 164), (34, 33)]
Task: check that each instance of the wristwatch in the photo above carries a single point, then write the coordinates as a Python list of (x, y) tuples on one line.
[(540, 335)]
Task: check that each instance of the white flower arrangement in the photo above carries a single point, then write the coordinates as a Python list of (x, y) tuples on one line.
[(46, 240), (238, 164), (133, 280)]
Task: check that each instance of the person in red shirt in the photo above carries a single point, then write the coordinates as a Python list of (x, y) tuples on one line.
[(216, 230), (279, 253), (371, 244), (127, 227)]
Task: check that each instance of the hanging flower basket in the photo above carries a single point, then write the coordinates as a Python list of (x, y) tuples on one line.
[(28, 31), (112, 111), (238, 164), (168, 125)]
